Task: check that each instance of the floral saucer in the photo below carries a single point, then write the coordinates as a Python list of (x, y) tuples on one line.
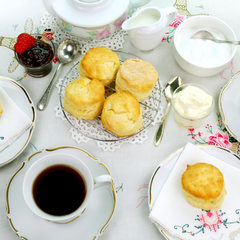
[(206, 222), (19, 94), (229, 106), (89, 226)]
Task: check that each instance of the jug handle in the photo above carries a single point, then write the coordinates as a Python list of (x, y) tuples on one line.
[(170, 10), (8, 42)]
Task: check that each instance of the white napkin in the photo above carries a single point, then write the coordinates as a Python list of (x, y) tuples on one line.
[(13, 121), (172, 213)]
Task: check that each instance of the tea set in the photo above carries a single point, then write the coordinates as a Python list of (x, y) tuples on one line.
[(79, 17), (145, 28)]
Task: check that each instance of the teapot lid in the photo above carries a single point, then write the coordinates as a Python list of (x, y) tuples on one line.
[(89, 13)]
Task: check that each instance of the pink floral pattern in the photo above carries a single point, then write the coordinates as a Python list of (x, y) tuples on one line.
[(172, 27), (99, 34), (219, 138), (141, 199), (209, 220), (103, 33), (177, 21), (230, 66), (118, 23), (107, 30)]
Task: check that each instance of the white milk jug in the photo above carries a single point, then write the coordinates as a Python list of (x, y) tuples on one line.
[(147, 26)]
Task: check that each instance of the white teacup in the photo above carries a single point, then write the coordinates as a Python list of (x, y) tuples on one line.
[(70, 171)]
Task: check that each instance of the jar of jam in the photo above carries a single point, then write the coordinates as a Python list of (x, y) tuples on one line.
[(38, 59)]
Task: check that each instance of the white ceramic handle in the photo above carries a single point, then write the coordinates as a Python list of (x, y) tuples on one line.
[(170, 10), (102, 180)]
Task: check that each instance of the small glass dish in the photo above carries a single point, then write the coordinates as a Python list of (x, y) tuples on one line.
[(186, 121), (43, 70)]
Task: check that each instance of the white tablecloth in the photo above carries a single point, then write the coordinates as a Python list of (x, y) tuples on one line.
[(131, 165)]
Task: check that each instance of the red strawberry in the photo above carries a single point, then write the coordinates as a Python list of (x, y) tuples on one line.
[(24, 42)]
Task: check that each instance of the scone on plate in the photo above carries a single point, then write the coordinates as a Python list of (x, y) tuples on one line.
[(84, 98), (100, 63), (1, 110), (137, 77), (203, 186), (122, 114)]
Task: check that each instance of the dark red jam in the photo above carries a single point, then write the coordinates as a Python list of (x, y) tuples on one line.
[(37, 56)]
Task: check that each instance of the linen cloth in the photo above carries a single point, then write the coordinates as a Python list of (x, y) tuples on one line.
[(172, 213), (132, 164), (13, 121)]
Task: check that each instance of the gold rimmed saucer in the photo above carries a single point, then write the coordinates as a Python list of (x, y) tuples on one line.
[(89, 226), (19, 95)]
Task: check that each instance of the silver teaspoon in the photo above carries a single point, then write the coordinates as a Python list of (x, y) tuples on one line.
[(208, 36), (66, 52), (171, 86)]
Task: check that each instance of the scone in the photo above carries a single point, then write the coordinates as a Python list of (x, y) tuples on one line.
[(100, 63), (84, 98), (137, 77), (122, 114), (1, 110), (203, 186)]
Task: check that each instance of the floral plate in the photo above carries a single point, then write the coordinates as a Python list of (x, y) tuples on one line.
[(229, 106), (19, 95), (208, 221)]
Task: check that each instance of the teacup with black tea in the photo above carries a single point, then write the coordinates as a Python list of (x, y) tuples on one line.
[(59, 190), (59, 186)]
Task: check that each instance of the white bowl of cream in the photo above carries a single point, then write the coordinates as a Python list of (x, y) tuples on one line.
[(203, 57), (191, 103)]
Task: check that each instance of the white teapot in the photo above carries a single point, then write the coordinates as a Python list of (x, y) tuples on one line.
[(91, 18)]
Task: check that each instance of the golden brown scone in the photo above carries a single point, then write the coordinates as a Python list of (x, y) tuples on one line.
[(100, 63), (84, 98), (1, 110), (137, 77), (203, 186), (122, 114)]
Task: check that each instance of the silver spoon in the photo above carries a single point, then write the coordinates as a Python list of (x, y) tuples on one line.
[(208, 36), (66, 52), (171, 86)]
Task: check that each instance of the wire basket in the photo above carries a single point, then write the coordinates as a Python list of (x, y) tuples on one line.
[(94, 129)]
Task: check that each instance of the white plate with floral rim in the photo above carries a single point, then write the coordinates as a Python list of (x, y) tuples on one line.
[(89, 226), (229, 106), (216, 219), (20, 96)]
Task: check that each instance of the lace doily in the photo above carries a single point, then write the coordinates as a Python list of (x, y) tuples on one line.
[(113, 42), (108, 146)]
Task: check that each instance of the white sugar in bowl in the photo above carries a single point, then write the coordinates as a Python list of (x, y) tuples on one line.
[(203, 57)]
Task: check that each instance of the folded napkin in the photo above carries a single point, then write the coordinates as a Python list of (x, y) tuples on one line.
[(13, 121), (172, 213)]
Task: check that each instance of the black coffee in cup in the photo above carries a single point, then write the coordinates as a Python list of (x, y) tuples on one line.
[(59, 190)]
